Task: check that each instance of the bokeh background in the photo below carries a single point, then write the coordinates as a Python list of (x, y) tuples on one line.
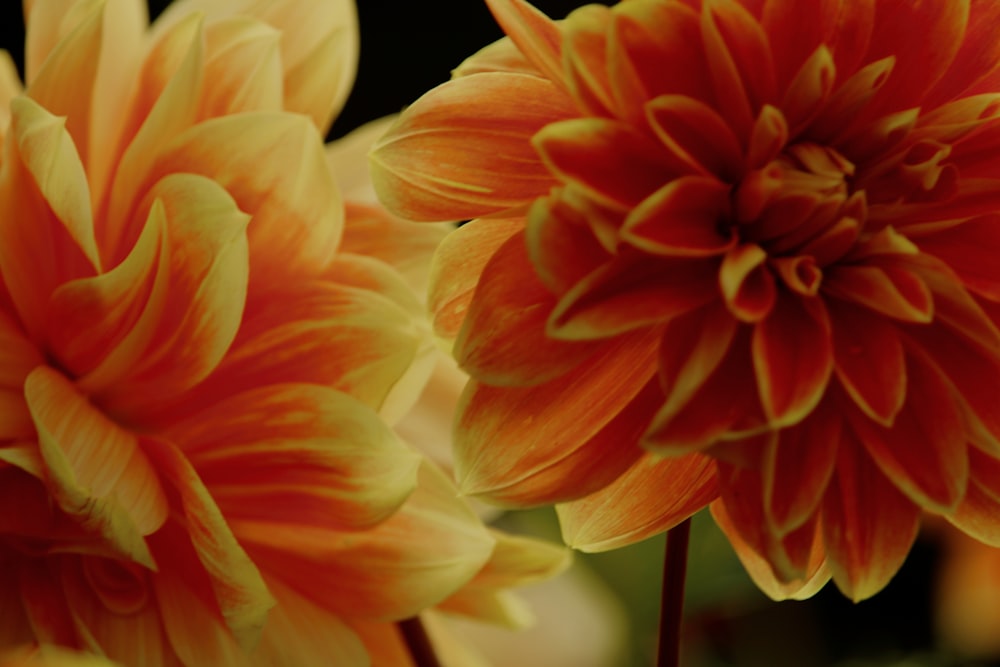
[(410, 46)]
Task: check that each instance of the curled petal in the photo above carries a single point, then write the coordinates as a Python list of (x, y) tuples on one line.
[(43, 181), (584, 49), (535, 35), (697, 134), (747, 284), (95, 469), (561, 241), (652, 496), (464, 149), (239, 590)]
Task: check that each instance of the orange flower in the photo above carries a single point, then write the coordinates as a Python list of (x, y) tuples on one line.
[(757, 238), (196, 464)]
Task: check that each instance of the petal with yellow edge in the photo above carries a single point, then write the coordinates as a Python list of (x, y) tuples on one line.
[(503, 340), (653, 495), (868, 524), (44, 182), (199, 549), (299, 454), (96, 470), (425, 552)]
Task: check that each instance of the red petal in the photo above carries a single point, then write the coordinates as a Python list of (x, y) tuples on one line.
[(652, 496), (561, 241), (507, 435), (977, 514), (632, 291), (585, 41), (868, 525), (612, 162), (797, 465), (747, 284), (761, 571), (681, 219), (868, 360), (792, 358), (697, 134)]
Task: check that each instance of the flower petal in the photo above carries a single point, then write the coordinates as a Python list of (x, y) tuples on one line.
[(298, 454), (464, 149), (237, 586), (457, 265), (96, 470), (924, 452), (503, 341), (817, 572), (548, 423), (868, 360), (868, 525), (680, 219), (535, 35), (652, 496), (195, 302), (630, 292), (296, 208), (792, 358), (432, 546), (562, 242), (42, 181)]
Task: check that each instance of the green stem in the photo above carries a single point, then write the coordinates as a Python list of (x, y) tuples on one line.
[(418, 642), (672, 597)]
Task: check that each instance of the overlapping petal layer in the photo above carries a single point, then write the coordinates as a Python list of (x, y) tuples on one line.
[(795, 200)]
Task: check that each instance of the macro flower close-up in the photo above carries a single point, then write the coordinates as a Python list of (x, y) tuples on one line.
[(201, 372), (738, 253)]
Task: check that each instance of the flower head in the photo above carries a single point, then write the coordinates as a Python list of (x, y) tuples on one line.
[(196, 460), (758, 238)]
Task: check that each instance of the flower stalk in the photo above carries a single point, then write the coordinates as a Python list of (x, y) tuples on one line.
[(672, 595), (418, 643)]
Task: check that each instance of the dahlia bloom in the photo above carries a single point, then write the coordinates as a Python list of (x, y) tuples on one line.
[(197, 385), (756, 238)]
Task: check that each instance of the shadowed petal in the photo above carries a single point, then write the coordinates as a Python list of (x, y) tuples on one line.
[(762, 573), (629, 293), (924, 452), (976, 513), (549, 421), (797, 465), (652, 496), (868, 525), (681, 219), (464, 149), (561, 241), (868, 360)]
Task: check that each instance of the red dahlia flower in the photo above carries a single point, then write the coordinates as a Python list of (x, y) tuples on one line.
[(757, 238)]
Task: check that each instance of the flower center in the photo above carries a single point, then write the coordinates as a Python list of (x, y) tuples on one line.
[(120, 586), (800, 204)]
